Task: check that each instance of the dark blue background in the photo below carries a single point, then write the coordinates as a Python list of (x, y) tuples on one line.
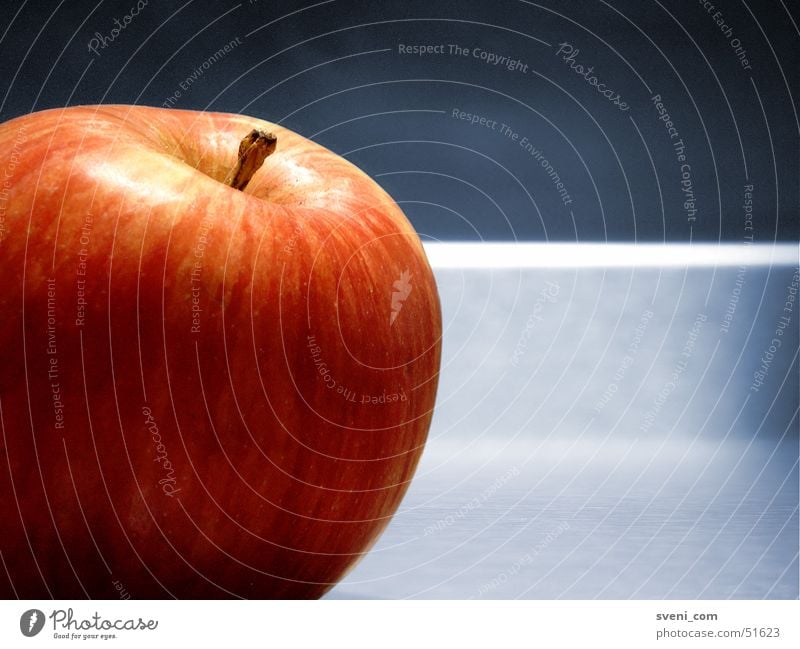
[(332, 72)]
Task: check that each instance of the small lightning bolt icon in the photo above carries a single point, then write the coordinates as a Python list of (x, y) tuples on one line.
[(403, 290), (32, 621)]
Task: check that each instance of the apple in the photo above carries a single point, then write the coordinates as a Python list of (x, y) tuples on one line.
[(220, 350)]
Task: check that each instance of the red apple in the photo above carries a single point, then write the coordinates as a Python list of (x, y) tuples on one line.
[(205, 392)]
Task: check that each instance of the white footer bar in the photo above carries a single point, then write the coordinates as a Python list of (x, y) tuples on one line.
[(402, 624)]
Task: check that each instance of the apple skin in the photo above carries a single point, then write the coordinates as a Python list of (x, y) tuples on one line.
[(184, 365)]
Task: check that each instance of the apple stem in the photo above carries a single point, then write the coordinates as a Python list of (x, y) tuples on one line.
[(253, 150)]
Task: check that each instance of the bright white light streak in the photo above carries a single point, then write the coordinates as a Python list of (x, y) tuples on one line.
[(607, 255)]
